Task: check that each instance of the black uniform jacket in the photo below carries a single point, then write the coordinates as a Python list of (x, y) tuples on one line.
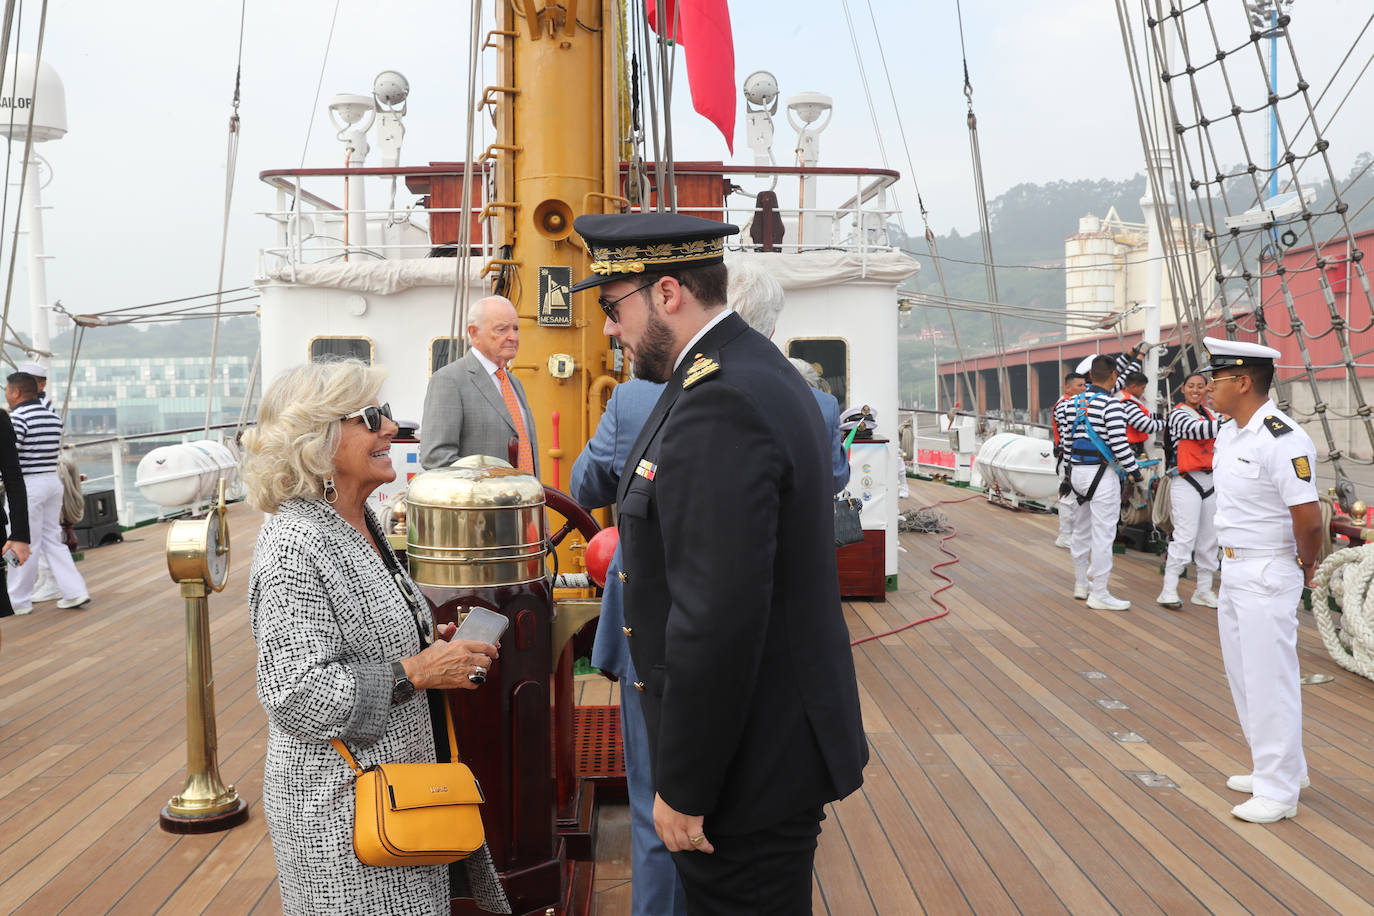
[(732, 602), (15, 491)]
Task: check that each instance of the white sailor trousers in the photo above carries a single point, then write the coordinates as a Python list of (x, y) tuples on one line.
[(45, 542), (1195, 536), (1258, 621), (1094, 527), (1068, 511)]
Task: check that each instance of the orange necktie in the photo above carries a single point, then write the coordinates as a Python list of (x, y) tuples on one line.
[(518, 417)]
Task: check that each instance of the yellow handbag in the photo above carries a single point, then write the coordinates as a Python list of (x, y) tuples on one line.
[(415, 813)]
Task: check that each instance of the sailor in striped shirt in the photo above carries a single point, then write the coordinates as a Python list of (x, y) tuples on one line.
[(40, 375), (1188, 448), (1140, 423), (38, 435), (1097, 438), (1061, 423)]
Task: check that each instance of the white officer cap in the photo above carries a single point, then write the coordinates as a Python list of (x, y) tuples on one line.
[(34, 369), (1086, 364), (1228, 354)]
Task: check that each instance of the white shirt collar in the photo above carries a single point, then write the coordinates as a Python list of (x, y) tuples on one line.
[(487, 364), (715, 320)]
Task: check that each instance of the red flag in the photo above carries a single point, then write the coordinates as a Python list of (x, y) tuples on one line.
[(703, 29)]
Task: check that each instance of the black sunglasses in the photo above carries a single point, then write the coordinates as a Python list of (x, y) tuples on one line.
[(371, 415), (609, 305)]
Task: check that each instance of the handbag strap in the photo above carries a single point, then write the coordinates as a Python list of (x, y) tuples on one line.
[(452, 743)]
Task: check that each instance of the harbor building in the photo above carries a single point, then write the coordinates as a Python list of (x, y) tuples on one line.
[(129, 396)]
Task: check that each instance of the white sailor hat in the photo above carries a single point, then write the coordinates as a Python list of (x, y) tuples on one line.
[(34, 369), (1085, 365), (1228, 354)]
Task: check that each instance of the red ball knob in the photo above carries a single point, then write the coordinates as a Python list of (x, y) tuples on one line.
[(600, 549)]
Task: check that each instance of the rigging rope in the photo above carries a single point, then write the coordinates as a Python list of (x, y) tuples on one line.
[(463, 262), (931, 244), (984, 224), (24, 172), (231, 158), (1245, 256)]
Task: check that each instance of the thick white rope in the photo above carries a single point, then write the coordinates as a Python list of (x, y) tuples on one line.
[(1346, 576)]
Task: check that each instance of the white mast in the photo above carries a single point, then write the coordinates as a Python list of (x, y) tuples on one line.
[(43, 102), (1161, 166)]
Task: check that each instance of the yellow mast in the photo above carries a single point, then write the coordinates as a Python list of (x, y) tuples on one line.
[(556, 157)]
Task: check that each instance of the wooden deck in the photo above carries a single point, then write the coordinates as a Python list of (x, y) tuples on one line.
[(998, 783)]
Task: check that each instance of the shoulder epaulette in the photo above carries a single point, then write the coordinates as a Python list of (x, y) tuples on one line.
[(703, 366), (1276, 426)]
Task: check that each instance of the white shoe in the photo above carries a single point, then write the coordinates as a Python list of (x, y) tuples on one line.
[(1061, 541), (26, 609), (47, 594), (1261, 810), (1080, 591), (1105, 601), (1246, 783), (1169, 598), (80, 601), (1205, 598)]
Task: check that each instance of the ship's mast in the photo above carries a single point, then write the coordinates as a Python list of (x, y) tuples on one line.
[(555, 157)]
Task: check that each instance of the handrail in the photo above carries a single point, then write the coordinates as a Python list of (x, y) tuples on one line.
[(876, 187), (803, 170), (268, 175), (153, 435)]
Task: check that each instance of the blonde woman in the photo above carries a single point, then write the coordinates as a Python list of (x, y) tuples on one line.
[(347, 647)]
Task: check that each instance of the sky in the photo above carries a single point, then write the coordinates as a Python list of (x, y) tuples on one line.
[(138, 184)]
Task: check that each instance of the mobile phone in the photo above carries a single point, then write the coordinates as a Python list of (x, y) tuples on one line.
[(482, 625), (12, 559)]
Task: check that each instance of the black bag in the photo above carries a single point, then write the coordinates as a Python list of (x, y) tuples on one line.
[(848, 528)]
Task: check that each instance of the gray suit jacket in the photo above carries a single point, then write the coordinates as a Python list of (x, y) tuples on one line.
[(465, 415)]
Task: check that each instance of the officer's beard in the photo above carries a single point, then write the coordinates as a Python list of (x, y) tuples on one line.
[(654, 355)]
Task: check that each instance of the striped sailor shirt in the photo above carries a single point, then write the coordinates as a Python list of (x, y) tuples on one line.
[(1125, 364), (1187, 423), (1137, 417), (38, 434), (1108, 418)]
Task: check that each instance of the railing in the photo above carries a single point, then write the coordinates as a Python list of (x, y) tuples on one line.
[(313, 228), (125, 506), (818, 209)]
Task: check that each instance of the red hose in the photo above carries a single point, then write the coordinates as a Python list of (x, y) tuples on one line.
[(949, 583)]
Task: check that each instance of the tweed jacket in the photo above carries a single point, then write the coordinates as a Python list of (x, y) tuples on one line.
[(329, 619), (466, 415)]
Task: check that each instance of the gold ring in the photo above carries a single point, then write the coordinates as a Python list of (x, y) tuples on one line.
[(697, 840)]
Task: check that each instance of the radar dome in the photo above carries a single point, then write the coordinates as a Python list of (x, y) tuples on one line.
[(19, 94)]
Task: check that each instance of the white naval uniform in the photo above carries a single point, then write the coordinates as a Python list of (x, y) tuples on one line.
[(1259, 476)]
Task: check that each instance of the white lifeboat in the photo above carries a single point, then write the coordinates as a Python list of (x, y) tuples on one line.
[(1018, 468), (186, 474)]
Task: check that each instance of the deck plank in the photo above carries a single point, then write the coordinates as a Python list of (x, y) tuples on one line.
[(994, 784)]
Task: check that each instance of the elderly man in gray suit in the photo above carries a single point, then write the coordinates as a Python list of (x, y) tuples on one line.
[(472, 406)]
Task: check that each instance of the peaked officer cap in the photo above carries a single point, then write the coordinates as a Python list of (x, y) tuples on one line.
[(1228, 354), (624, 244)]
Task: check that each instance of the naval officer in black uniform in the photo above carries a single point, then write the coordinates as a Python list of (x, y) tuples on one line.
[(732, 602)]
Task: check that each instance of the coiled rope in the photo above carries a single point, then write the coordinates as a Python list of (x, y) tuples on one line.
[(1346, 576)]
